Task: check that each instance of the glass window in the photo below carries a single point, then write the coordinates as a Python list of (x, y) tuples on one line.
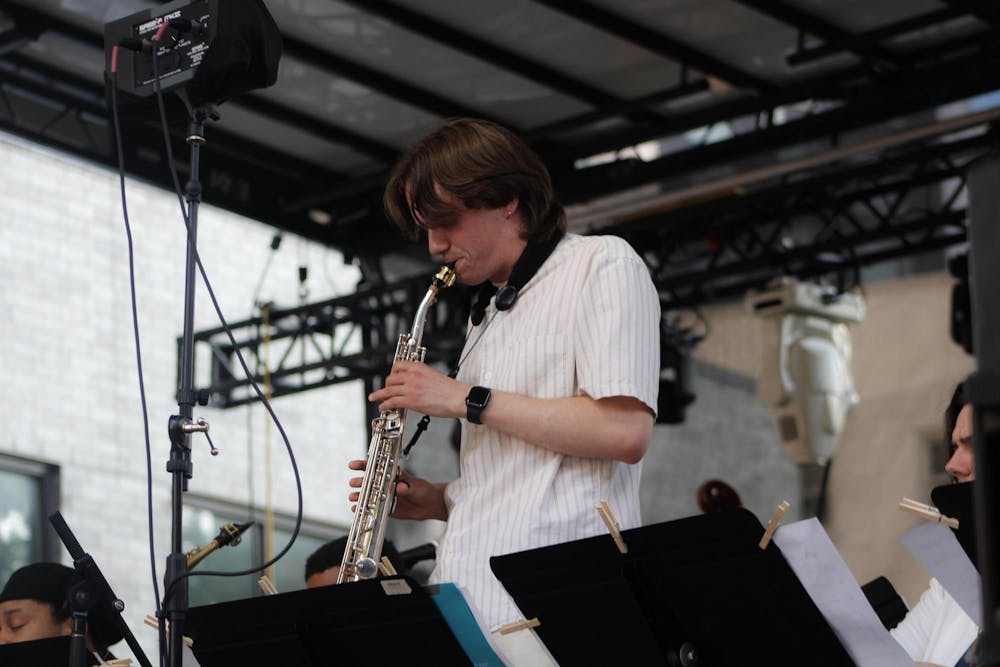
[(28, 494)]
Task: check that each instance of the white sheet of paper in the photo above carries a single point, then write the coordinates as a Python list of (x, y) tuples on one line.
[(836, 593), (936, 547)]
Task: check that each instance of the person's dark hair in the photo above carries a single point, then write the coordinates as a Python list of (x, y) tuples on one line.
[(955, 406), (482, 164), (714, 495), (331, 554)]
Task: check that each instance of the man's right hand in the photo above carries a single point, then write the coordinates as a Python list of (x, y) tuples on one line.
[(416, 498)]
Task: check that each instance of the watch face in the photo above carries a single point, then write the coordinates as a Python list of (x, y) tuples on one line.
[(478, 396)]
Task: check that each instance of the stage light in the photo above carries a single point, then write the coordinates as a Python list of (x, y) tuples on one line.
[(806, 375)]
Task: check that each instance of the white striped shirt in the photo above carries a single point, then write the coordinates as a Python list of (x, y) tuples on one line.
[(586, 323)]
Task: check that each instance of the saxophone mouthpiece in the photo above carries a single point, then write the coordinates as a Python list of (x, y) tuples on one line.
[(445, 276)]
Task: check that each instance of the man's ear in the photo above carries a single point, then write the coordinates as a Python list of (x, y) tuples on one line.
[(511, 207)]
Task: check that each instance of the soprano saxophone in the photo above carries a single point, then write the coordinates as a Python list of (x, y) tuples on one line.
[(378, 488)]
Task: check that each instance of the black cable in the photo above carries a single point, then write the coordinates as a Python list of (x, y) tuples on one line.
[(135, 334)]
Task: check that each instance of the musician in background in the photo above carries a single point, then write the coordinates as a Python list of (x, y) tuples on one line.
[(35, 604), (936, 631), (558, 381), (323, 565)]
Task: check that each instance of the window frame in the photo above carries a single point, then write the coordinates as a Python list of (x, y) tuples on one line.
[(49, 499)]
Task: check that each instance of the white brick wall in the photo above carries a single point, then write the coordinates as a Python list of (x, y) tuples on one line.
[(70, 392)]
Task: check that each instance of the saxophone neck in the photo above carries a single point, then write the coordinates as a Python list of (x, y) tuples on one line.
[(445, 277)]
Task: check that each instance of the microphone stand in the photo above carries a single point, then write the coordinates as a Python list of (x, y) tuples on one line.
[(92, 593), (181, 426)]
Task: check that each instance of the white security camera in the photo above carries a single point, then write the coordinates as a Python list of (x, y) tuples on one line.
[(806, 375)]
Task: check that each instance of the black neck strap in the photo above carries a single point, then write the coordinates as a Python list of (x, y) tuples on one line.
[(527, 265)]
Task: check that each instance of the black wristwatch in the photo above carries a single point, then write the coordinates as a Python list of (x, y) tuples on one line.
[(475, 403)]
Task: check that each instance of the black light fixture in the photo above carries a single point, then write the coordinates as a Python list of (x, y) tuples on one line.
[(961, 302), (676, 386)]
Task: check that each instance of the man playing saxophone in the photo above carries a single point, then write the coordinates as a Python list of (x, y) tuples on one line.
[(557, 384)]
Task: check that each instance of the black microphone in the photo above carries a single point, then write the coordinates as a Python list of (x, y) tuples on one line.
[(229, 534), (412, 556)]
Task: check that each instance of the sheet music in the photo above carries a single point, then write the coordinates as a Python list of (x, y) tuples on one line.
[(830, 584), (936, 547)]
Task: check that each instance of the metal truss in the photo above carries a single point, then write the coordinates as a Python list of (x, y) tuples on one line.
[(903, 202), (352, 337)]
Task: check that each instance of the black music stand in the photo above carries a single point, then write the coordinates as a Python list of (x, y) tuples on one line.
[(333, 625), (696, 591), (51, 651)]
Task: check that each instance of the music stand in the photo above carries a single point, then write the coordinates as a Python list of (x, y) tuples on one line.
[(331, 625), (51, 651), (696, 591)]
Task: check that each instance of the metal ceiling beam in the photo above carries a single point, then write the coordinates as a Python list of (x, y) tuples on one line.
[(876, 36), (551, 131), (283, 113), (865, 102), (377, 81), (657, 42), (483, 50), (814, 25)]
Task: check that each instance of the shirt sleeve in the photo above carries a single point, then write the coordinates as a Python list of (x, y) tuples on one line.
[(618, 331)]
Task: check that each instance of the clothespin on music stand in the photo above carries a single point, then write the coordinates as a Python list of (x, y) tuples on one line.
[(772, 525), (519, 625), (609, 520), (927, 512), (386, 568), (265, 585), (153, 622), (117, 662)]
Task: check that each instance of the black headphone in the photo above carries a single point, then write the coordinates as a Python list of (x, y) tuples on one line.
[(526, 266)]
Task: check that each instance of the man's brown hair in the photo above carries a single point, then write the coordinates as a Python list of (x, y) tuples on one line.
[(484, 166)]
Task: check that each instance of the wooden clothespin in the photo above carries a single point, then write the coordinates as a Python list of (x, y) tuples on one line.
[(519, 625), (265, 585), (153, 622), (386, 568), (928, 512), (609, 520), (772, 525), (117, 662)]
